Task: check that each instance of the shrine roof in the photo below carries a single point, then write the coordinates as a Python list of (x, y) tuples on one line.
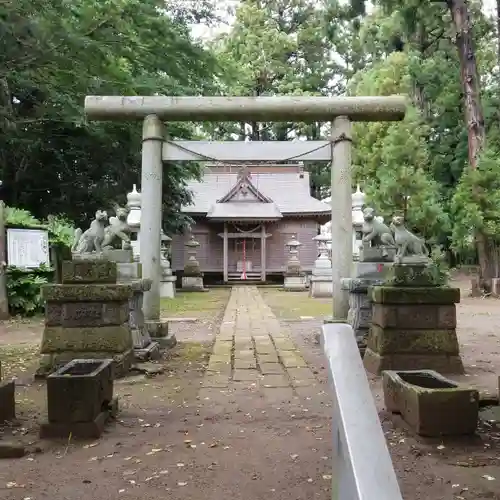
[(289, 192)]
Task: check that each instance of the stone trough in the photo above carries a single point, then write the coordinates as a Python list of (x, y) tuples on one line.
[(79, 399), (7, 400), (430, 403)]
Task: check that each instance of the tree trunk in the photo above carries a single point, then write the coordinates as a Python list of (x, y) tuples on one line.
[(473, 116)]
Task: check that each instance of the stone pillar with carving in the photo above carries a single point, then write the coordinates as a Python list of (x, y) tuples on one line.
[(134, 220), (321, 280), (167, 283), (192, 278), (295, 279)]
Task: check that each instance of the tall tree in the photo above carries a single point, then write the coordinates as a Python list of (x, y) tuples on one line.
[(415, 25), (285, 47), (53, 54)]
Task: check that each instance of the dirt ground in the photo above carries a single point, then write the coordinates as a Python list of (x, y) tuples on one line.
[(174, 440)]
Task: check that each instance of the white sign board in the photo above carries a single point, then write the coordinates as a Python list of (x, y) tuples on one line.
[(27, 248)]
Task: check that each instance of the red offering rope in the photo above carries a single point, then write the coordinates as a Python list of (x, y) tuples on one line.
[(244, 276)]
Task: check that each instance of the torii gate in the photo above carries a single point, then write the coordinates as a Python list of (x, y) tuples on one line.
[(155, 149)]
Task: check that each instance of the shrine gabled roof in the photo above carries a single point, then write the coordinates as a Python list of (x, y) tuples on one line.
[(245, 187), (289, 191)]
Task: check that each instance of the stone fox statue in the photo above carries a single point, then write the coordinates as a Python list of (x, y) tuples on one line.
[(91, 240), (376, 232), (407, 243), (117, 233)]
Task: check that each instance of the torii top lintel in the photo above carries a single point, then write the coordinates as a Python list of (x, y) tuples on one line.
[(279, 108)]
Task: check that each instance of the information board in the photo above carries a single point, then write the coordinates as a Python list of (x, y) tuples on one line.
[(27, 248)]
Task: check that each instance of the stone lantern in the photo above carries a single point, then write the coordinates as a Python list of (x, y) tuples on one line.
[(192, 278), (321, 279), (134, 220), (358, 202), (167, 283), (295, 279)]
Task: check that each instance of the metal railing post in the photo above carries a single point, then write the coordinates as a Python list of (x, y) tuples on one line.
[(362, 466)]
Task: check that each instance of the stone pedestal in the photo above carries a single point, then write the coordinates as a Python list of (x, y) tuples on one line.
[(167, 287), (413, 324), (368, 253), (131, 274), (367, 274), (87, 316), (192, 283), (321, 286), (295, 282)]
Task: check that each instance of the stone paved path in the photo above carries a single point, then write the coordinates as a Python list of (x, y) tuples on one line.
[(251, 347)]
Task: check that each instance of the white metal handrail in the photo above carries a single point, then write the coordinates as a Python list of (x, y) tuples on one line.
[(362, 466)]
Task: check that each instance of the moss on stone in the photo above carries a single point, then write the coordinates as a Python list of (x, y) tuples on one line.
[(97, 271), (86, 293), (114, 339), (408, 275), (414, 295), (386, 341)]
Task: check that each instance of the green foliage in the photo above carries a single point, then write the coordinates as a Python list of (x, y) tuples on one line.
[(21, 218), (61, 231), (393, 161), (54, 53), (476, 202), (402, 183), (439, 267), (23, 290)]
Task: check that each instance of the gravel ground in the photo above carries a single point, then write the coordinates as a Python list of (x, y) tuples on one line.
[(172, 441)]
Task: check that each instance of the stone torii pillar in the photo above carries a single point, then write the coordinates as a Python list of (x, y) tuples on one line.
[(152, 110), (151, 215), (341, 213)]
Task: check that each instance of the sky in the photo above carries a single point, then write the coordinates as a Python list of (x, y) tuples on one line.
[(201, 31)]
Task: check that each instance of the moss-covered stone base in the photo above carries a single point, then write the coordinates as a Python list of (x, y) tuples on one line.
[(387, 341), (114, 339), (414, 295), (86, 293), (122, 363), (442, 363), (411, 275)]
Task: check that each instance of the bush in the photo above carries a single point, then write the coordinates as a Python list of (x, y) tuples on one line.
[(440, 266), (23, 290)]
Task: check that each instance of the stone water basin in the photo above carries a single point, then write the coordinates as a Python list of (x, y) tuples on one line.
[(431, 404)]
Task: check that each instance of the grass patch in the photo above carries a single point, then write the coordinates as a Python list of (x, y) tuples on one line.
[(293, 305), (196, 304)]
